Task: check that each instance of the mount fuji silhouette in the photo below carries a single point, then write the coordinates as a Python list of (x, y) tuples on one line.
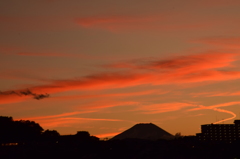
[(147, 131)]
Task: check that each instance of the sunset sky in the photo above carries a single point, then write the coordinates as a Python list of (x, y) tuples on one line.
[(110, 64)]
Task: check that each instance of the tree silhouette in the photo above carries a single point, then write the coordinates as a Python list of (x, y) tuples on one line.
[(83, 136), (50, 136), (18, 131), (27, 130), (50, 133), (178, 135), (6, 128)]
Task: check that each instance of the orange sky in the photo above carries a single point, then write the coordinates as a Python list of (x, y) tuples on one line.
[(108, 65)]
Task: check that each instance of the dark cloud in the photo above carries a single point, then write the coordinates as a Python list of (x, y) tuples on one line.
[(25, 93)]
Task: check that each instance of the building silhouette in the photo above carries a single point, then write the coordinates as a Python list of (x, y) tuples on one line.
[(220, 132)]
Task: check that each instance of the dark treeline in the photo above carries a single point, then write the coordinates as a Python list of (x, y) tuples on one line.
[(18, 131), (25, 139), (25, 132)]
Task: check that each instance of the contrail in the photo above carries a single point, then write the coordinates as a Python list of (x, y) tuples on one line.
[(25, 93), (224, 111), (215, 108)]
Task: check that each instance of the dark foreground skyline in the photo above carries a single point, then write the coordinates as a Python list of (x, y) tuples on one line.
[(27, 140)]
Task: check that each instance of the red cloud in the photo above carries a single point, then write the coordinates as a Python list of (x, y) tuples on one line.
[(107, 135), (63, 120), (112, 95), (152, 22), (215, 94), (55, 116), (99, 81), (209, 60), (229, 42), (106, 104), (13, 98), (66, 122), (185, 69), (49, 54), (114, 22), (163, 107)]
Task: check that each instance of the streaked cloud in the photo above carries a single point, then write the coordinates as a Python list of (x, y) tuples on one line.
[(64, 119), (215, 94), (55, 116), (107, 134), (161, 22), (162, 107), (49, 54), (106, 103), (67, 122), (118, 22), (111, 95), (203, 67), (221, 41), (13, 99)]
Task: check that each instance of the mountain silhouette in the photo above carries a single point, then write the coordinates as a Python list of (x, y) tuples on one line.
[(147, 131)]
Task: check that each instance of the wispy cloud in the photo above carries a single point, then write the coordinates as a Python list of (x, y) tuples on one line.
[(55, 116), (67, 122), (12, 98), (162, 107), (107, 134), (237, 93), (215, 94), (160, 22), (111, 95), (107, 103), (221, 41), (65, 119), (192, 68), (48, 54), (177, 70), (118, 22)]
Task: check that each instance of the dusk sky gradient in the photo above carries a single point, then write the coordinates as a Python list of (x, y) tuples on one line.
[(110, 64)]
